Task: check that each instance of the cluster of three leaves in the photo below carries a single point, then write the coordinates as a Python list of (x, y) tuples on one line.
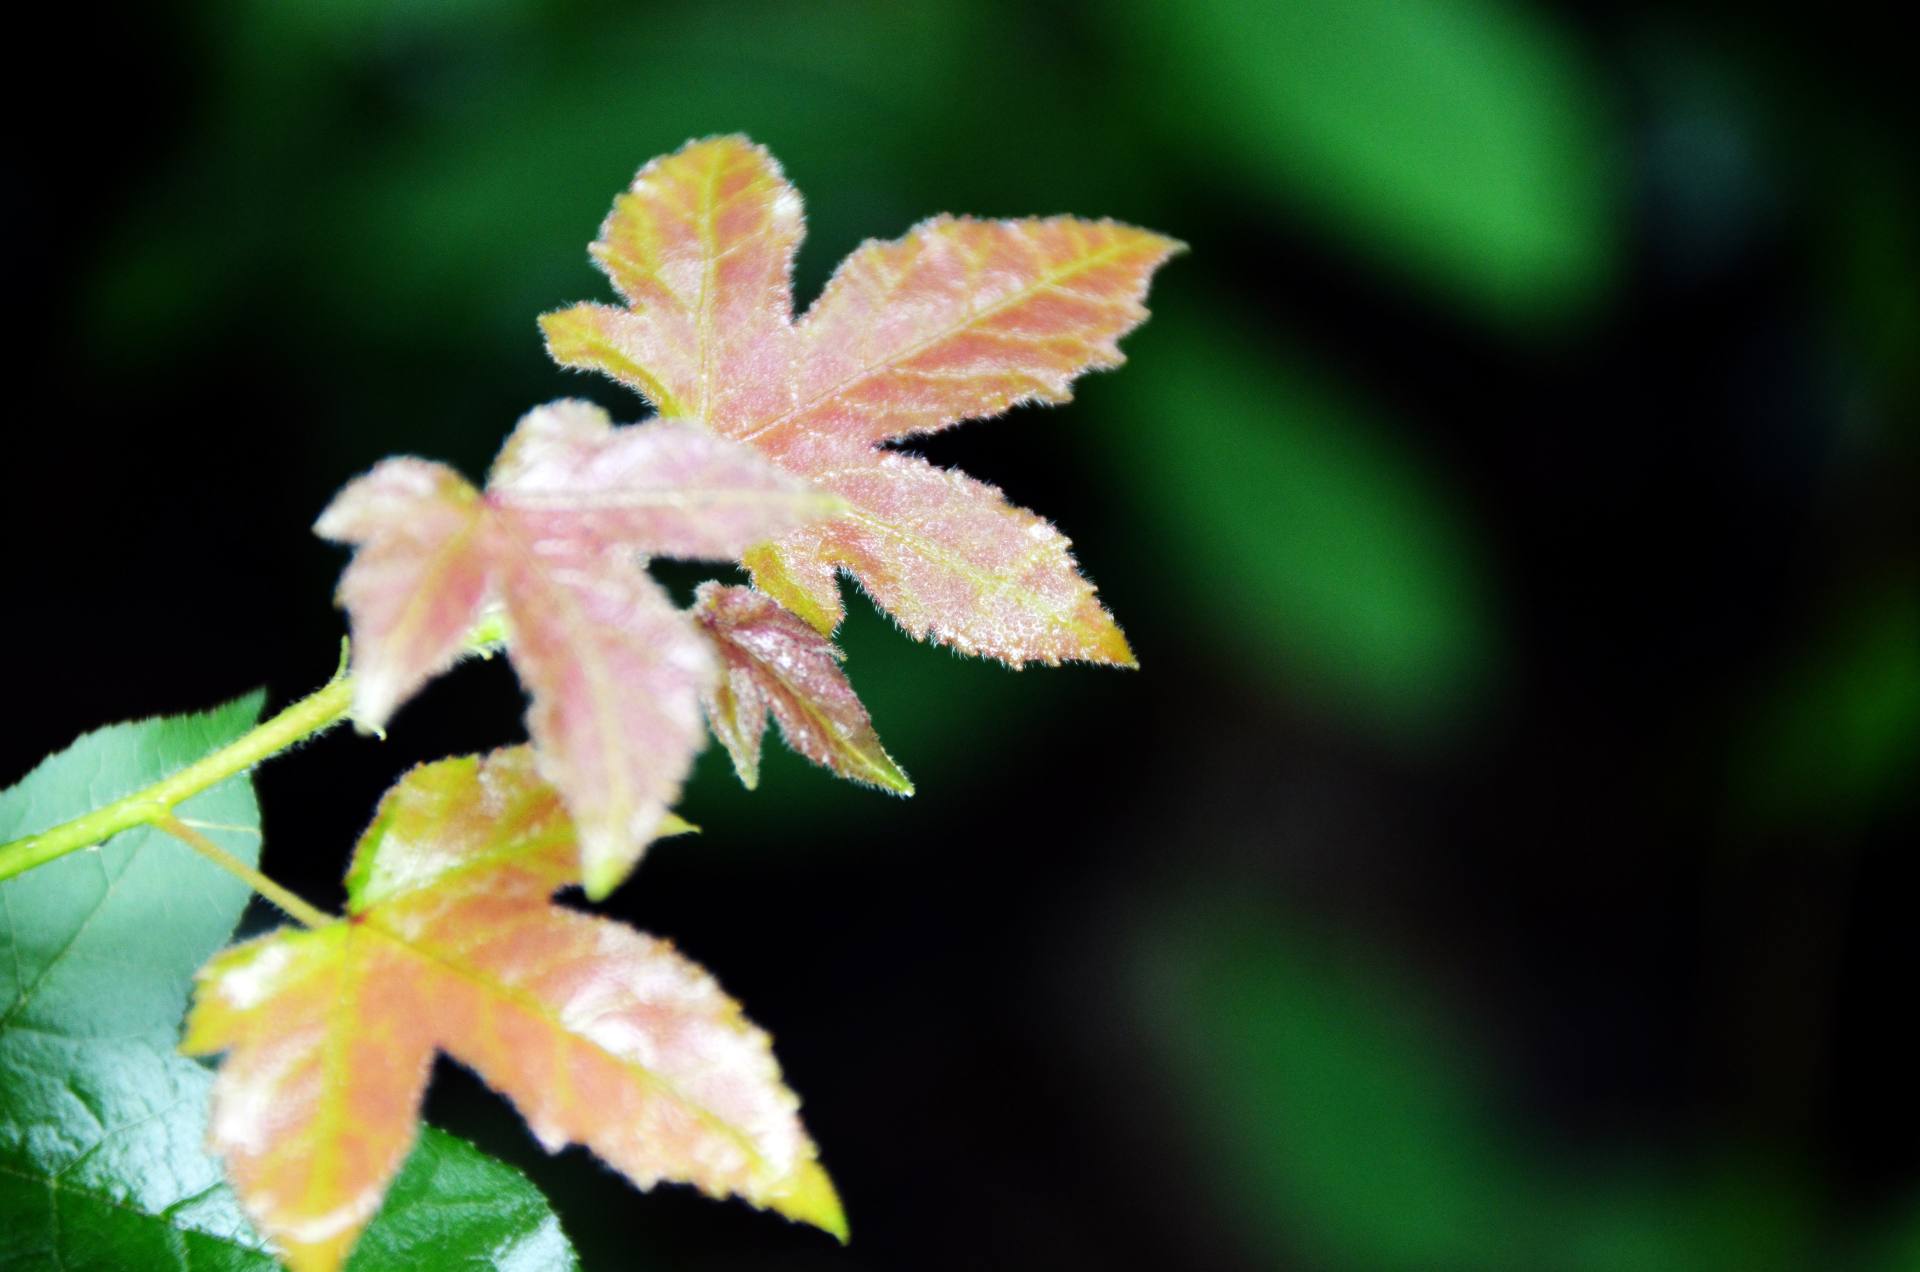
[(616, 671), (770, 449)]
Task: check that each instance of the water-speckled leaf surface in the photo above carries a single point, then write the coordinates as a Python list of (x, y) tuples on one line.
[(959, 319), (556, 540), (772, 662)]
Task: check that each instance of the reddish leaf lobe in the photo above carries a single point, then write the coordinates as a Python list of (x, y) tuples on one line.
[(418, 582), (556, 541), (774, 662), (958, 319), (701, 247), (599, 1034)]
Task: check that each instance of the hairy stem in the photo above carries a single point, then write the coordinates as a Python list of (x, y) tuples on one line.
[(155, 804), (307, 913)]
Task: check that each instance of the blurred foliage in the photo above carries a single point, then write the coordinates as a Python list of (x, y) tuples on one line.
[(1874, 247), (1840, 733), (1339, 1121), (1350, 1127), (1463, 140), (1535, 367), (1899, 1250), (1309, 538), (439, 159)]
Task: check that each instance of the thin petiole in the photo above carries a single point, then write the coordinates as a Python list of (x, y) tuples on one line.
[(304, 911), (313, 714), (197, 824)]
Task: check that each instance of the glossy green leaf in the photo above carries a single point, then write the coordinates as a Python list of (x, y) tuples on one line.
[(103, 1169), (101, 948), (106, 941), (102, 1125), (1460, 140), (453, 1207), (1312, 541)]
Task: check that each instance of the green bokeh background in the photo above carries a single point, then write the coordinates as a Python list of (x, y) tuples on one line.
[(1504, 858)]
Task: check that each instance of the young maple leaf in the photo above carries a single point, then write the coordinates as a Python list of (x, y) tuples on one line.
[(772, 661), (555, 540), (960, 319), (598, 1034)]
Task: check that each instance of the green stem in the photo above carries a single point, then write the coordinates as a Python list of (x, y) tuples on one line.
[(307, 913), (155, 804)]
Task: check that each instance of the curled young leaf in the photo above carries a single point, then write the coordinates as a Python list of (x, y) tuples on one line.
[(600, 1035), (772, 661), (556, 540), (959, 319)]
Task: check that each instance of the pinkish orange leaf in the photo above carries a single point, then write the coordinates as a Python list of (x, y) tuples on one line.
[(700, 247), (773, 661), (598, 1034), (418, 582), (556, 541), (959, 319)]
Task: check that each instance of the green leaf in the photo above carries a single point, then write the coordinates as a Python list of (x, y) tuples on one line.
[(102, 1124), (105, 942), (1337, 1120), (1345, 1125), (103, 1169), (1315, 543), (452, 1207), (1460, 140)]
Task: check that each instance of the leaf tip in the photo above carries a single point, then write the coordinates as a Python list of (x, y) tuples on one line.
[(1106, 643), (374, 703), (742, 748), (601, 873), (809, 1197), (890, 776), (772, 576), (322, 1256), (569, 333), (608, 855), (1159, 248), (674, 824)]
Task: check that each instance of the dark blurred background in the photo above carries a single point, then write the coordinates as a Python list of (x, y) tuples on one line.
[(1506, 855)]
